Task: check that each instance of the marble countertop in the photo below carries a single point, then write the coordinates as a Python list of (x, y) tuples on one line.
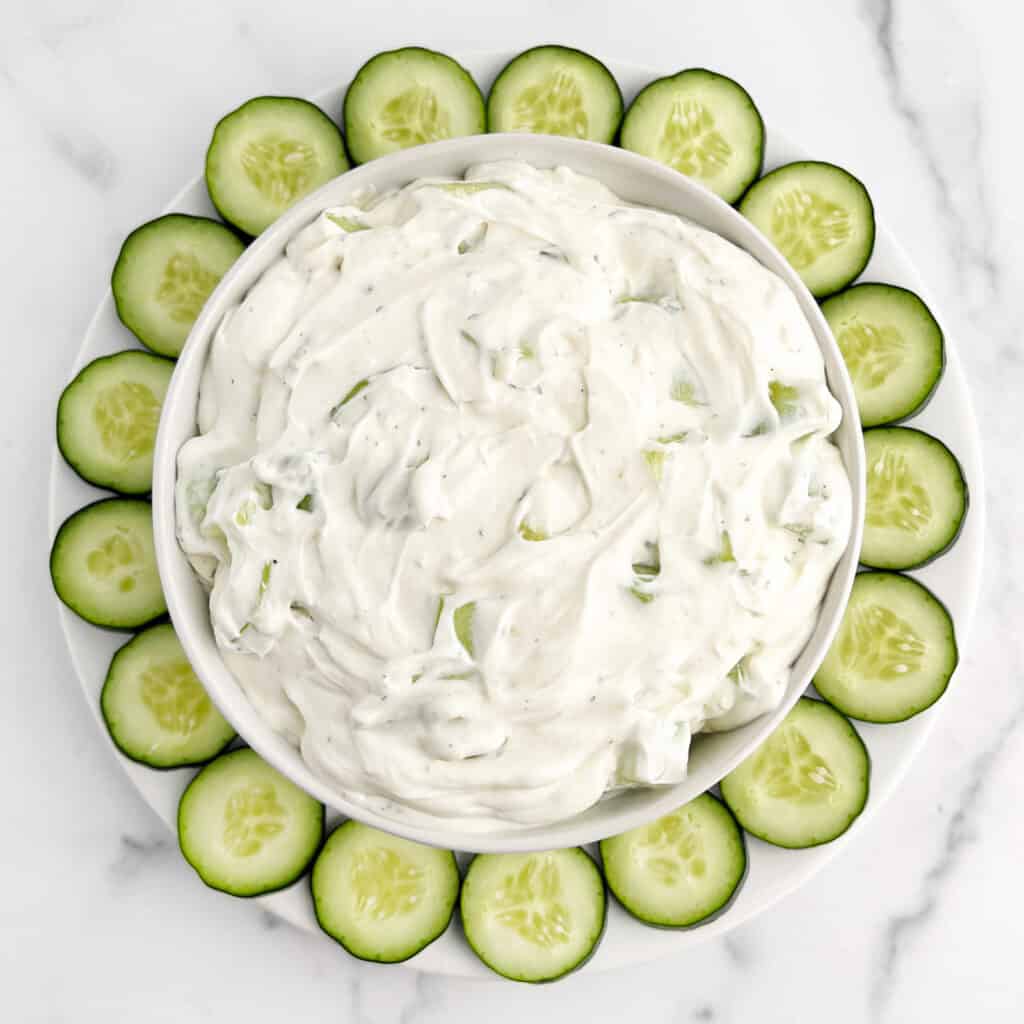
[(105, 109)]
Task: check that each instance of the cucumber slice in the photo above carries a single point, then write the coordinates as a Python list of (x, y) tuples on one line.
[(893, 348), (103, 565), (806, 784), (245, 828), (556, 90), (916, 498), (156, 710), (681, 869), (701, 124), (107, 419), (533, 916), (164, 274), (894, 653), (406, 97), (266, 155), (820, 218), (381, 897)]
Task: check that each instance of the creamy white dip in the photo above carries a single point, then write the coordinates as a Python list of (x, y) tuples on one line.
[(506, 488)]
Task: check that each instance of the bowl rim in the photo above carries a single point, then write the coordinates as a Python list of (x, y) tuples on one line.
[(176, 574)]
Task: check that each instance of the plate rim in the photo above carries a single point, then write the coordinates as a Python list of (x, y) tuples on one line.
[(805, 863)]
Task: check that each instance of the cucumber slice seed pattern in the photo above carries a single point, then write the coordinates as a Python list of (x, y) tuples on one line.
[(253, 816), (119, 555), (126, 416), (875, 642), (789, 768), (184, 287), (673, 850), (871, 353), (894, 495), (690, 143), (806, 226), (175, 697), (552, 106), (528, 902), (414, 117), (280, 169), (386, 884)]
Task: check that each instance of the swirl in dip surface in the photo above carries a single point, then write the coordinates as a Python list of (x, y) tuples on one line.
[(506, 488)]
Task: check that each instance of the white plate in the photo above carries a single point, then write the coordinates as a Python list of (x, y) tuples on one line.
[(773, 872)]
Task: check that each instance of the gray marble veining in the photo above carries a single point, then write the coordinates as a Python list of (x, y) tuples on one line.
[(137, 854), (945, 155)]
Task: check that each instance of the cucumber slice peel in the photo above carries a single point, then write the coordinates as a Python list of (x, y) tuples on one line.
[(680, 870), (533, 917), (408, 97), (103, 564), (154, 707), (916, 498), (806, 784), (107, 419), (556, 90), (893, 348), (164, 274), (245, 828), (266, 155), (701, 124), (381, 897), (821, 219), (894, 654)]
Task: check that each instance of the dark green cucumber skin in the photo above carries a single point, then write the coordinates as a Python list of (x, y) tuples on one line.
[(113, 738), (917, 708), (355, 157), (569, 970), (277, 887), (376, 960), (566, 49), (960, 526), (242, 234), (124, 316), (854, 815), (133, 627), (870, 247), (926, 401), (60, 402), (753, 106), (712, 915)]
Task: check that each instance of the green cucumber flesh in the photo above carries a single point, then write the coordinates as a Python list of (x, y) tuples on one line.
[(680, 870), (107, 419), (819, 217), (806, 784), (556, 90), (703, 125), (164, 274), (103, 564), (407, 97), (533, 916), (266, 155), (893, 348), (894, 653), (155, 709), (916, 498), (381, 897), (245, 828)]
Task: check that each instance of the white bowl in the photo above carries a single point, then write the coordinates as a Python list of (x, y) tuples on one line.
[(637, 180)]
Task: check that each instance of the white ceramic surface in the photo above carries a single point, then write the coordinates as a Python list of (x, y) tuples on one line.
[(734, 970), (635, 179)]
